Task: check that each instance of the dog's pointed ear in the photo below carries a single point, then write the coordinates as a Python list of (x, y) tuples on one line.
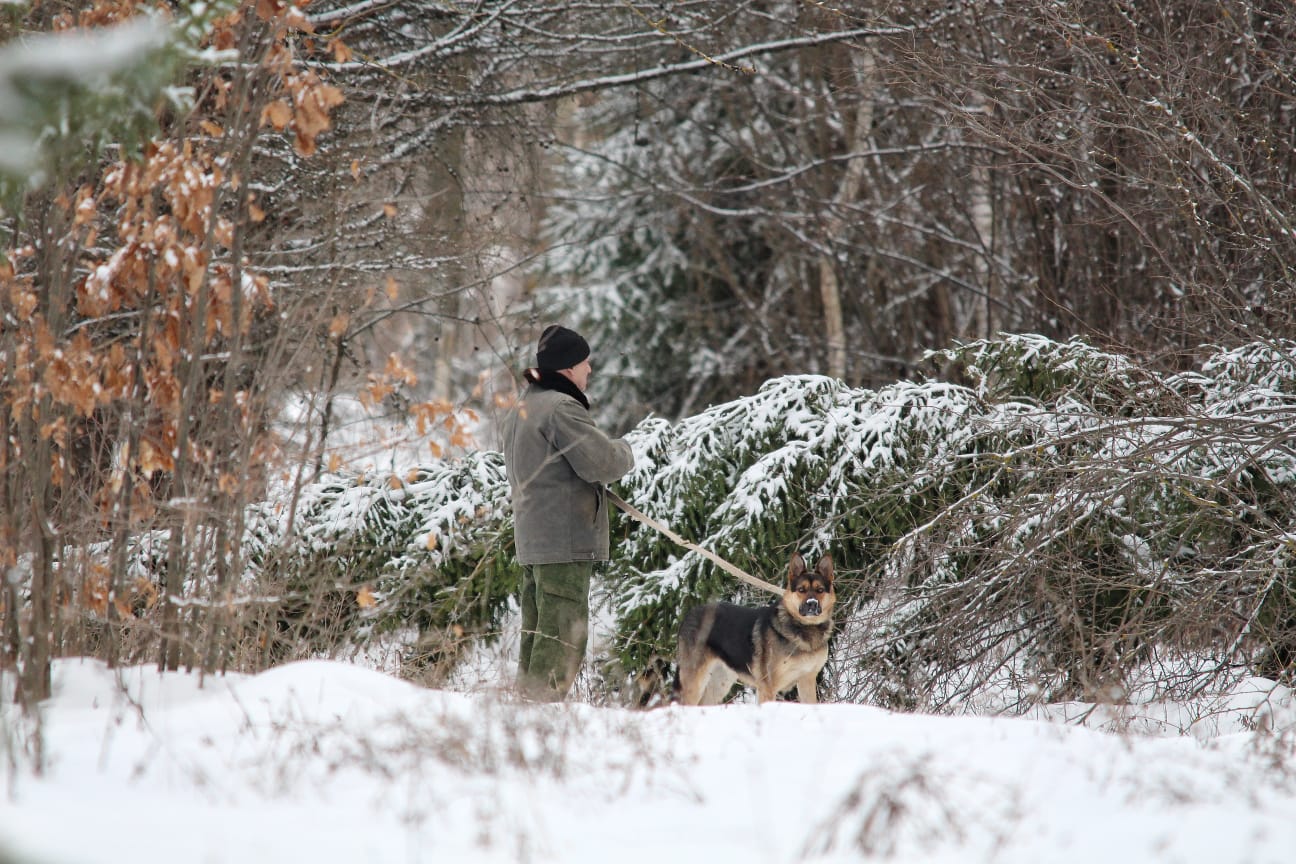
[(825, 568), (796, 568)]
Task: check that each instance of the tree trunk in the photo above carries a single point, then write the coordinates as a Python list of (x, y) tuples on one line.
[(835, 222)]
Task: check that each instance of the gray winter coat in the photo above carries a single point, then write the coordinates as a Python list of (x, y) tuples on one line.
[(557, 462)]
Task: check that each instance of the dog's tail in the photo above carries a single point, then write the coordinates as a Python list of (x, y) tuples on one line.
[(652, 684)]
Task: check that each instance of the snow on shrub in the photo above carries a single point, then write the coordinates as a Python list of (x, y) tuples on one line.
[(1067, 525)]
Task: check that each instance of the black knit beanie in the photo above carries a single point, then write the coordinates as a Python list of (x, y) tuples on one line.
[(560, 348)]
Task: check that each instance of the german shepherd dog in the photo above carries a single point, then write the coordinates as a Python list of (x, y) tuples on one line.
[(770, 647)]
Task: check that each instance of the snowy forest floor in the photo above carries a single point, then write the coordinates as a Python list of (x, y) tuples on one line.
[(326, 761)]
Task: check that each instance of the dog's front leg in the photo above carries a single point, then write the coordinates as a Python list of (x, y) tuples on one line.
[(807, 692)]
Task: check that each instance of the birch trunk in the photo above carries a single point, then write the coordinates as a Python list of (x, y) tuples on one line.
[(847, 195)]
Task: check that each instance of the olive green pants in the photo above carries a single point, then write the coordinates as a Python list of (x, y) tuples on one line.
[(555, 627)]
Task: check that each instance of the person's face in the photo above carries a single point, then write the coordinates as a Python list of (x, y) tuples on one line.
[(579, 374)]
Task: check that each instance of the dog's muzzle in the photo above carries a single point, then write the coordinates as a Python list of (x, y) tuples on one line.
[(810, 608)]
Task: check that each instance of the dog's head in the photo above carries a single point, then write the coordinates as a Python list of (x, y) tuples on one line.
[(809, 595)]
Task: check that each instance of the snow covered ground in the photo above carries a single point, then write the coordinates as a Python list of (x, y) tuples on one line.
[(334, 762)]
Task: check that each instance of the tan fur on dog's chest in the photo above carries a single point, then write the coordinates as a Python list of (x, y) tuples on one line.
[(791, 669)]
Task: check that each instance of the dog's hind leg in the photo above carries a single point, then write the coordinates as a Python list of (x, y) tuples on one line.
[(720, 681), (807, 689), (694, 675)]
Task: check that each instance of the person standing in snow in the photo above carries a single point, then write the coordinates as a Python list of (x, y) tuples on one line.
[(558, 462)]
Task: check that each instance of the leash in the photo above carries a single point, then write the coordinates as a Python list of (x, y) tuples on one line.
[(631, 511)]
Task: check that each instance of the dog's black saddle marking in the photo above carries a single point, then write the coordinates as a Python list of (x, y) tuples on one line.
[(732, 632)]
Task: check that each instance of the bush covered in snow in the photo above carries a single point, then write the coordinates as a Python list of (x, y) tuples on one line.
[(1066, 524), (428, 551)]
